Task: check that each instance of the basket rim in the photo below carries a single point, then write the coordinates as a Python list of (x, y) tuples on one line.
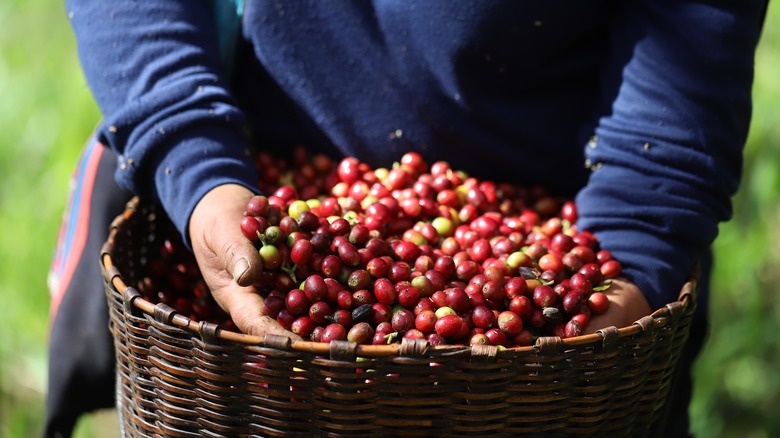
[(647, 324)]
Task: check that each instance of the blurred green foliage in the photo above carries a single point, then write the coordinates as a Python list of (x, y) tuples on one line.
[(46, 113), (736, 378)]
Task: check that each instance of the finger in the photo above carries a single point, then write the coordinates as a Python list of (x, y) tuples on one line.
[(245, 307)]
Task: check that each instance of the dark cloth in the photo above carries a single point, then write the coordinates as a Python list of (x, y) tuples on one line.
[(81, 349)]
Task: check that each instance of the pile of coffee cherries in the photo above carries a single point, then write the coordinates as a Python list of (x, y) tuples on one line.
[(421, 251)]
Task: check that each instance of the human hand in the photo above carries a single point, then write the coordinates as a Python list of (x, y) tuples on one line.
[(229, 263), (626, 305)]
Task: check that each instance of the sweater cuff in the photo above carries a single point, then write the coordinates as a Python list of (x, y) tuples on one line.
[(199, 160), (654, 238)]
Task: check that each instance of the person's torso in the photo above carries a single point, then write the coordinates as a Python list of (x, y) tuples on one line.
[(503, 90)]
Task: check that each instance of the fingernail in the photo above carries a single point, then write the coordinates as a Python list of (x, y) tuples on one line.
[(240, 268)]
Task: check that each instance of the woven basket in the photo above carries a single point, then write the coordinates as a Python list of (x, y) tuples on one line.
[(181, 378)]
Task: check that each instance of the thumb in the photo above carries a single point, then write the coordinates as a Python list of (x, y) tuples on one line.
[(216, 221), (243, 262)]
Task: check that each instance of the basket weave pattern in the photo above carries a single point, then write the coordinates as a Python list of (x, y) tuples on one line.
[(181, 378)]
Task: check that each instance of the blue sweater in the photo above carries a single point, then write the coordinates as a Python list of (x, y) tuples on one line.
[(640, 109)]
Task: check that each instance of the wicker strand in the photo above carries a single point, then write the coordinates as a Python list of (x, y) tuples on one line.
[(484, 353), (610, 337), (343, 351), (129, 298), (277, 342), (646, 324), (208, 332), (414, 347), (548, 345)]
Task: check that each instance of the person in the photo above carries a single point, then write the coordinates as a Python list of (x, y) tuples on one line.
[(637, 110)]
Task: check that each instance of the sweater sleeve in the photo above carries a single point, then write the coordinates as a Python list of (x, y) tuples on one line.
[(155, 72), (666, 156)]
